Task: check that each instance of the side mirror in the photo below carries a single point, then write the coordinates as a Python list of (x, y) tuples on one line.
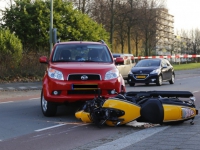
[(43, 59), (119, 60), (164, 66)]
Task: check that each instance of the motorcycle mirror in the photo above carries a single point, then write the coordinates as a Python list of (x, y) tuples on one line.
[(193, 99)]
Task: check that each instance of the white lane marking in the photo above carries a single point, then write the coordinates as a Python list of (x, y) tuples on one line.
[(6, 102), (34, 98), (11, 88), (195, 91), (187, 77), (50, 127), (131, 139), (22, 87), (33, 87)]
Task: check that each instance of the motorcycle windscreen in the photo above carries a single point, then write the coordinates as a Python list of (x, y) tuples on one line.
[(131, 110), (177, 113), (84, 116)]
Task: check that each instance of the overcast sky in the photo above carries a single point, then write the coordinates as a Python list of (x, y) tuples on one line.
[(186, 13)]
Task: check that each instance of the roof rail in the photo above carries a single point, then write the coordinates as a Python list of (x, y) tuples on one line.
[(102, 41)]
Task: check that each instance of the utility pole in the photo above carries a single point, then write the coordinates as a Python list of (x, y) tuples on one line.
[(51, 26)]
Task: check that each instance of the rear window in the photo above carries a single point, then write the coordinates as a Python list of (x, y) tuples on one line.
[(81, 52)]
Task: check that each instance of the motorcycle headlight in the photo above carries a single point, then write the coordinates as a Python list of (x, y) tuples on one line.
[(157, 71), (55, 74), (112, 74)]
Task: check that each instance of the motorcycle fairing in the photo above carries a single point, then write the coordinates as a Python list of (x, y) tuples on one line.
[(84, 116), (132, 110), (178, 113)]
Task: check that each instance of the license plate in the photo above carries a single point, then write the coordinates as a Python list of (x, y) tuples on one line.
[(141, 77)]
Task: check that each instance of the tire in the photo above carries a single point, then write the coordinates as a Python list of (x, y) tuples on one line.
[(49, 109), (159, 80), (172, 79), (132, 84)]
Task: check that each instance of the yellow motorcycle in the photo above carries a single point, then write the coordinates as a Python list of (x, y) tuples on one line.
[(157, 107)]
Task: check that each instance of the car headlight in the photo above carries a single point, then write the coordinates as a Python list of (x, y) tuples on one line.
[(112, 74), (157, 71), (130, 72), (55, 74)]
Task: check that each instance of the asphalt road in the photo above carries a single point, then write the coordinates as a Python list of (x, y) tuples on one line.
[(23, 126)]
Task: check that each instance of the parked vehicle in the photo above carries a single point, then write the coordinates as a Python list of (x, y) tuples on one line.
[(75, 70), (157, 107), (152, 71), (125, 65)]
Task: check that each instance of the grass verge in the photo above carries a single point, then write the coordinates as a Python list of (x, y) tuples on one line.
[(186, 66)]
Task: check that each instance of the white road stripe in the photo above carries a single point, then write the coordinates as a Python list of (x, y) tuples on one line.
[(6, 102), (33, 87), (50, 127), (11, 88), (22, 87), (34, 98), (131, 139)]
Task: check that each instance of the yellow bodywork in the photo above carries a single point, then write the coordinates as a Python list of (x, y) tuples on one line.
[(175, 113), (132, 111), (84, 116)]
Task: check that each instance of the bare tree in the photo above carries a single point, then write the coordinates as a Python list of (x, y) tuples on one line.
[(150, 22), (195, 41), (121, 26), (83, 5)]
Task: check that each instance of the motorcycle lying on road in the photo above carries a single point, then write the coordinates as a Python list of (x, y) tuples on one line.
[(156, 107)]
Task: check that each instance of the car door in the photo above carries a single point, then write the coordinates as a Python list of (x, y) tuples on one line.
[(170, 69), (166, 70)]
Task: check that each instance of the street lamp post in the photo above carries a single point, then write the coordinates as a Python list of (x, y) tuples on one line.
[(51, 25)]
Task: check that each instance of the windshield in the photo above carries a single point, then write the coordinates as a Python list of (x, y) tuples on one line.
[(81, 53), (148, 63)]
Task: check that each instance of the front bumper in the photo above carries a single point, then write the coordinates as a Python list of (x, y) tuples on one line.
[(72, 91), (149, 78)]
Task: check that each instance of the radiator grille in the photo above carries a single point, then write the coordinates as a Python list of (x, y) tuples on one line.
[(77, 77)]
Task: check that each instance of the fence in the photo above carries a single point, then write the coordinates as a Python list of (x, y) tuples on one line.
[(173, 58)]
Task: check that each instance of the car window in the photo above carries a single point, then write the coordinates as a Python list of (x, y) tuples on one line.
[(127, 61), (81, 52), (167, 62)]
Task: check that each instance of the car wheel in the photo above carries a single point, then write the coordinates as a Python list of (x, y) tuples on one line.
[(172, 79), (132, 84), (159, 80), (48, 108)]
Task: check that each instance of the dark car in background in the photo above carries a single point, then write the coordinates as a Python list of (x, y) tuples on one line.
[(152, 70)]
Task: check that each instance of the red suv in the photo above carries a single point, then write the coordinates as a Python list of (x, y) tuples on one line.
[(76, 70)]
